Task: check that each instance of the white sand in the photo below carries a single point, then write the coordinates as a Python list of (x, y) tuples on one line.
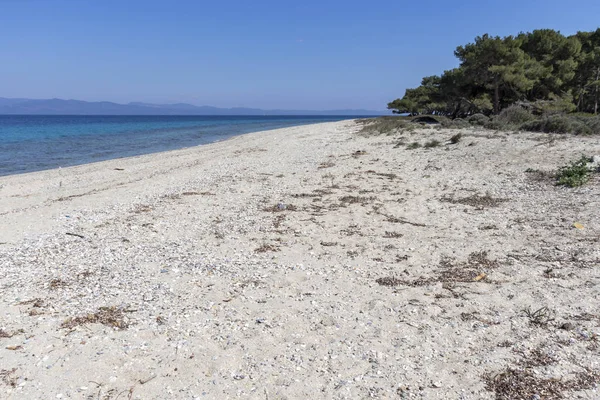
[(171, 241)]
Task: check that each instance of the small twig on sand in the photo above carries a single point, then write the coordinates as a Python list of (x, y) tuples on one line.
[(75, 234), (148, 379)]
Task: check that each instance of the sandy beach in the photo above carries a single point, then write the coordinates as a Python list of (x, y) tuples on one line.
[(305, 263)]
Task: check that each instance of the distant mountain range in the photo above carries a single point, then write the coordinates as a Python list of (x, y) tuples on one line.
[(78, 107)]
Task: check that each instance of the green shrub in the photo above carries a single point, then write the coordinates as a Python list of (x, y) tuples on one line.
[(591, 122), (456, 138), (382, 125), (457, 123), (562, 124), (537, 125), (558, 105), (413, 145), (477, 119), (432, 143), (559, 124), (514, 115), (575, 174), (494, 124)]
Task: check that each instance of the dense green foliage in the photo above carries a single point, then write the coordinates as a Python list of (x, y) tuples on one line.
[(543, 71)]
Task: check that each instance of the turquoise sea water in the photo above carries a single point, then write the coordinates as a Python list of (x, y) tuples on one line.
[(37, 142)]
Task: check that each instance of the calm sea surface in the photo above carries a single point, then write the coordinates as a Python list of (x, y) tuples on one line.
[(37, 142)]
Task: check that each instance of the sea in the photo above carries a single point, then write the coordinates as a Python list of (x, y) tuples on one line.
[(38, 142)]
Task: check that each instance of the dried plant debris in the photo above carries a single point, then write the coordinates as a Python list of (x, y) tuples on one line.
[(389, 176), (266, 248), (473, 270), (7, 377), (477, 201), (526, 384), (451, 272), (37, 303), (142, 208), (392, 281), (538, 357), (329, 244), (110, 316), (5, 334), (585, 316), (278, 220), (480, 259), (327, 164), (352, 230), (304, 195), (535, 175), (397, 220), (541, 317), (392, 235), (357, 199), (322, 192), (474, 316), (281, 207), (57, 283)]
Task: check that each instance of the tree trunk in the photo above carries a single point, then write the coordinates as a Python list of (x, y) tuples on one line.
[(596, 92), (496, 97)]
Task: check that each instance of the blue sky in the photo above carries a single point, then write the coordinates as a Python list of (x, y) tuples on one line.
[(267, 54)]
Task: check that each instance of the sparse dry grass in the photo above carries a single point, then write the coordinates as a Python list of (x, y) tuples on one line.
[(431, 144), (383, 125), (541, 317)]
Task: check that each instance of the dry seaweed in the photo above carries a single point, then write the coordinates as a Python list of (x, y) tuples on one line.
[(476, 201), (265, 248), (357, 199), (109, 316), (57, 283), (525, 384), (7, 376), (392, 235), (281, 207)]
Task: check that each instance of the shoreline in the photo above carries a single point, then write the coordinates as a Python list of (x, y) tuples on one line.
[(122, 140), (64, 183), (306, 262)]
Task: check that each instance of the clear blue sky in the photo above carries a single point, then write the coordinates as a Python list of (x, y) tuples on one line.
[(268, 54)]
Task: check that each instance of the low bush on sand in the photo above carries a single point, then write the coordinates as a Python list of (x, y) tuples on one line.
[(575, 174)]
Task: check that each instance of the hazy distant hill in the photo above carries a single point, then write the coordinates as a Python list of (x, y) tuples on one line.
[(78, 107)]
